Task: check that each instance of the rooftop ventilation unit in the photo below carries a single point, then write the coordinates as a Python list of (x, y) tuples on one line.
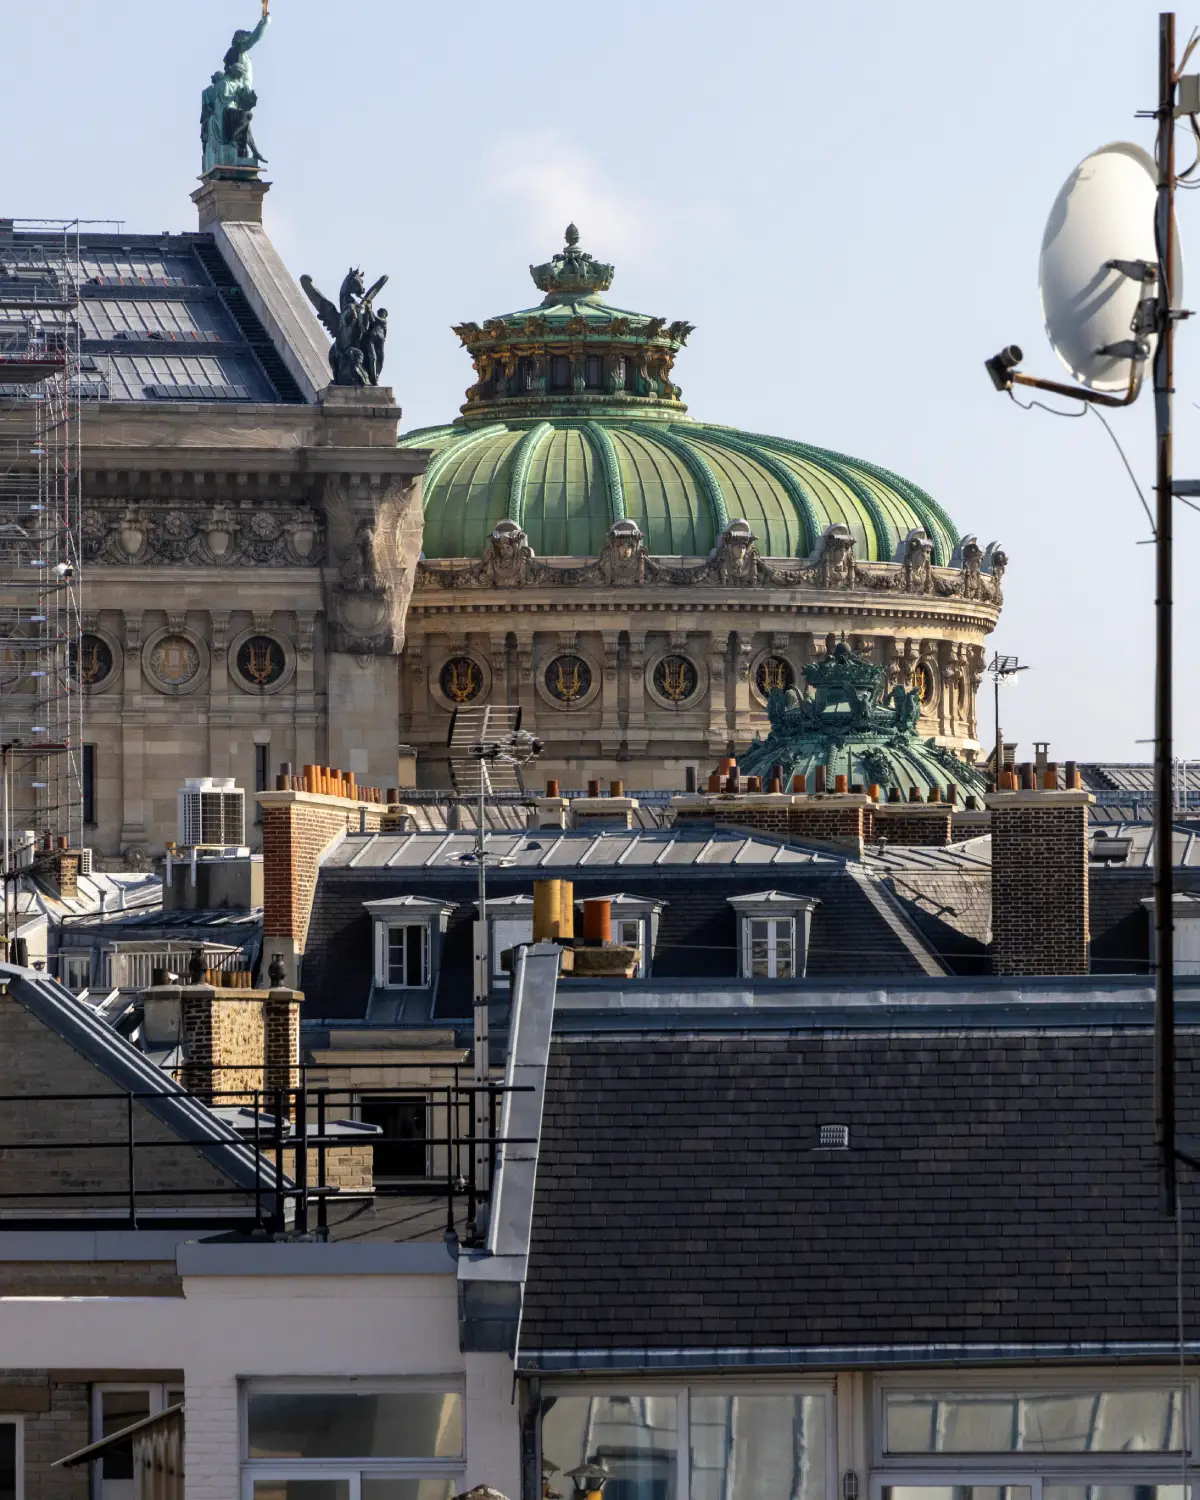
[(833, 1138), (212, 814)]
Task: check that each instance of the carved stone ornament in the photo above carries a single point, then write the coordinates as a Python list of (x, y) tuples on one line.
[(508, 561), (216, 536), (175, 661)]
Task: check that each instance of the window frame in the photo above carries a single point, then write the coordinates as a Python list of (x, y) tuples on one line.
[(158, 1402), (68, 959), (384, 928), (713, 1386), (350, 1469), (16, 1420), (1154, 1466), (773, 922), (87, 778), (410, 1097)]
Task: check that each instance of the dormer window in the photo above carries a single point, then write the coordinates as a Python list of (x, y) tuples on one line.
[(407, 933), (511, 921), (773, 934)]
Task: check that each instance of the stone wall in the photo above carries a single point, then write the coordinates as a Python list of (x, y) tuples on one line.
[(622, 725), (56, 1419)]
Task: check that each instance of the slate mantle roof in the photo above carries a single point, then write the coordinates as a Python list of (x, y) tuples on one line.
[(858, 929), (161, 318), (999, 1189)]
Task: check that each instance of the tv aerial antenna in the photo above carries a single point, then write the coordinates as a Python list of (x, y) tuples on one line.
[(1111, 279), (487, 749)]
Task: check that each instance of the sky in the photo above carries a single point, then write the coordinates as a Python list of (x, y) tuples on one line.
[(847, 200)]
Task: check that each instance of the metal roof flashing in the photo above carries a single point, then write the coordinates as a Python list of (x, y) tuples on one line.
[(491, 1281)]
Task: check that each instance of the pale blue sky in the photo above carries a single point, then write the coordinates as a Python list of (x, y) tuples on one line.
[(847, 200)]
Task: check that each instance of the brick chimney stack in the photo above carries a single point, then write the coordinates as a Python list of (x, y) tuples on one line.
[(1040, 918)]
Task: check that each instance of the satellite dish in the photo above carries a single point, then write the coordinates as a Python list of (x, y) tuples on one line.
[(1104, 212)]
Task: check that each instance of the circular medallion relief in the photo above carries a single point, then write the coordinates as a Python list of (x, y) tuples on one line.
[(568, 679), (774, 674), (925, 683), (675, 678), (94, 661), (260, 661), (174, 661), (461, 680)]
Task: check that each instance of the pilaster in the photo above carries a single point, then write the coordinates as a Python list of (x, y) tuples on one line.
[(718, 719), (636, 732), (220, 761), (610, 702), (133, 760)]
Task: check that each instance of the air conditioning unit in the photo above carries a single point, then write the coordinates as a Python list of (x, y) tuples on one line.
[(212, 813)]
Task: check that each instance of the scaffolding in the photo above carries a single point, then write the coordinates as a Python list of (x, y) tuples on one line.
[(41, 730)]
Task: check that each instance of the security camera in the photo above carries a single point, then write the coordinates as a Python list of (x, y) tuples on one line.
[(999, 366)]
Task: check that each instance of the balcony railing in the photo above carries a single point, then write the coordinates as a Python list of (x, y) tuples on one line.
[(288, 1147)]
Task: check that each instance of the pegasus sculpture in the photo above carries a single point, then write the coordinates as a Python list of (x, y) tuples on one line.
[(357, 329)]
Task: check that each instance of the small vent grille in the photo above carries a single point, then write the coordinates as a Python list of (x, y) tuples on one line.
[(833, 1138)]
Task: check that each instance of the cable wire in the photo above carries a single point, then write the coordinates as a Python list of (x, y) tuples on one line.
[(1041, 405), (1125, 461)]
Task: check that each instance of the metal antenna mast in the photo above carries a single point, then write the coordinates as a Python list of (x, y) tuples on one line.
[(1155, 314)]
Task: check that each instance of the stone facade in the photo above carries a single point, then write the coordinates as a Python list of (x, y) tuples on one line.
[(300, 530), (675, 656)]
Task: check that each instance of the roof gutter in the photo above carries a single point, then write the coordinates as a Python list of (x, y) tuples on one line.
[(533, 1363)]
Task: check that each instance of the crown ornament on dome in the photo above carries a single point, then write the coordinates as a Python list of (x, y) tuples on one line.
[(572, 272)]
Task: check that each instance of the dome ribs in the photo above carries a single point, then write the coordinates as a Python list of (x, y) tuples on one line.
[(842, 468), (701, 471), (459, 444), (606, 450), (806, 511), (938, 526), (522, 458)]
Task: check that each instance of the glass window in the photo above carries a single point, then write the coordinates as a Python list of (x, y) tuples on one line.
[(407, 956), (629, 932), (633, 1437), (301, 1489), (403, 1152), (1128, 1421), (329, 1424), (120, 1409), (1077, 1490), (89, 786), (395, 1487), (560, 373), (594, 372), (757, 1447), (10, 1461), (957, 1492), (769, 948), (76, 971)]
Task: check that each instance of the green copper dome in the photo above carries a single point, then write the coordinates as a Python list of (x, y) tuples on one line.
[(574, 423)]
